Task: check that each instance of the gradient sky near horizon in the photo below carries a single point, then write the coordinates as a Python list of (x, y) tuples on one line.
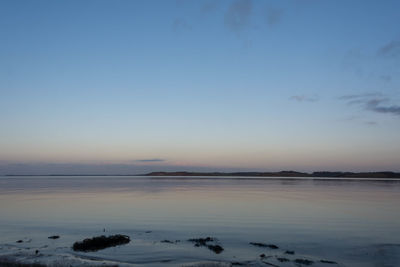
[(131, 86)]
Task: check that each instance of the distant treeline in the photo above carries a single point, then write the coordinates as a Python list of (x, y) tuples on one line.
[(324, 174)]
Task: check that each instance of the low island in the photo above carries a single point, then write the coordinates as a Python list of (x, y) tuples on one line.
[(323, 174)]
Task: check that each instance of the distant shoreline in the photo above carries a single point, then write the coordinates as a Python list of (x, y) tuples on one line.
[(287, 174)]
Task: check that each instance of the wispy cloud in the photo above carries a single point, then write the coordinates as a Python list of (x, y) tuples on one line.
[(359, 96), (273, 15), (180, 24), (304, 98), (391, 49), (237, 17), (209, 6), (375, 102), (386, 78), (378, 105)]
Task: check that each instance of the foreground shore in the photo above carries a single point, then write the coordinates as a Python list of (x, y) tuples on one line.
[(54, 251)]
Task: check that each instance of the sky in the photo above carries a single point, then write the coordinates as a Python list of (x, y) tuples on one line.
[(127, 87)]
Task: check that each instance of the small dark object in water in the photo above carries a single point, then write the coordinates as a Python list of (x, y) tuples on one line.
[(262, 255), (37, 252), (264, 245), (238, 263), (303, 261), (201, 241), (290, 252), (54, 237), (100, 242), (282, 259), (148, 232), (20, 241), (216, 248), (329, 262), (166, 241)]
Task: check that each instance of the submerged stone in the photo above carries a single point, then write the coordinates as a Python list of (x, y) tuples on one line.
[(215, 248), (303, 261), (282, 259), (166, 241), (271, 246)]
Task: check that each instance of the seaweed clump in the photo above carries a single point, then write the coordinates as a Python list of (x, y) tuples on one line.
[(100, 242), (328, 262), (205, 242)]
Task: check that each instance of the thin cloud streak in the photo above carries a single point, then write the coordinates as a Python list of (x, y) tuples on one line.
[(358, 96), (304, 98), (150, 160)]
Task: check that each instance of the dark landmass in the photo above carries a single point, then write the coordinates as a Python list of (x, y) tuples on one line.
[(324, 174), (100, 242)]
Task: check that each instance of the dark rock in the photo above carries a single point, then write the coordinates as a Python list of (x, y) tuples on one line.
[(216, 248), (54, 237), (328, 262), (236, 263), (262, 255), (290, 252), (100, 242), (271, 246), (303, 261), (20, 241), (282, 259), (204, 242)]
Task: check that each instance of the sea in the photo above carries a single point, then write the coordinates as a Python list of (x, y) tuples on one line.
[(257, 221)]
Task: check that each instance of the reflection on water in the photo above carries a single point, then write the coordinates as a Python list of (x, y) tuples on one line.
[(300, 212)]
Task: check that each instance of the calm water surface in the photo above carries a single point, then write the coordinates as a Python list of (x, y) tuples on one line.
[(353, 222)]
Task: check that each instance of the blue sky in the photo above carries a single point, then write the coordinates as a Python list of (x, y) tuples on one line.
[(199, 85)]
